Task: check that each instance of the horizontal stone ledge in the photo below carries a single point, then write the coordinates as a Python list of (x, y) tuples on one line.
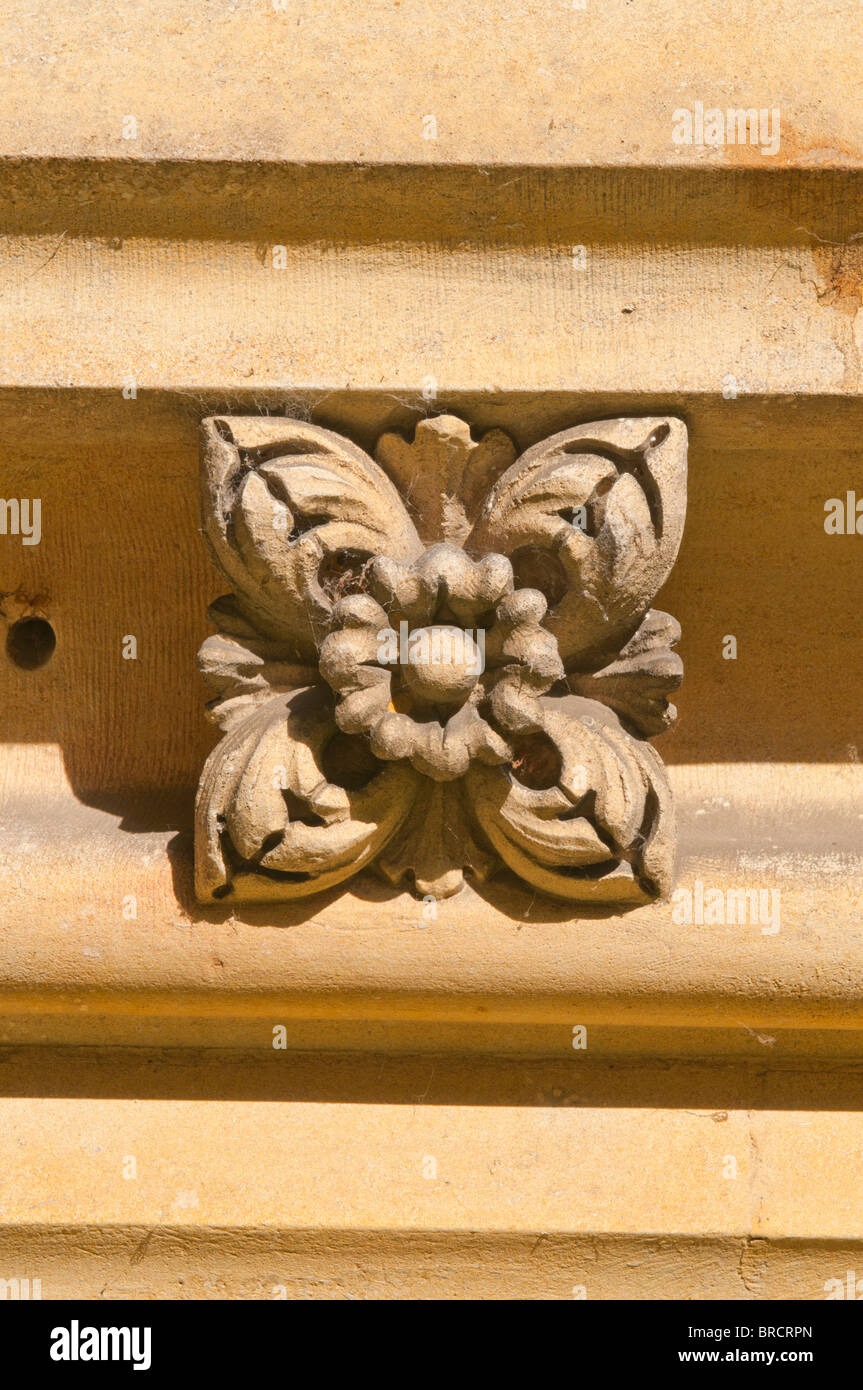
[(263, 204), (564, 1170), (199, 1262), (499, 81), (318, 1076), (256, 1195), (426, 320), (783, 970)]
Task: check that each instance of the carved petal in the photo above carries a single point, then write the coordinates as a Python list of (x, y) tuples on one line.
[(348, 662), (281, 499), (441, 752), (638, 684), (269, 823), (443, 575), (593, 517), (519, 639), (585, 812)]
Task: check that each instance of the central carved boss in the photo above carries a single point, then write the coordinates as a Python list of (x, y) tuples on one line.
[(441, 662)]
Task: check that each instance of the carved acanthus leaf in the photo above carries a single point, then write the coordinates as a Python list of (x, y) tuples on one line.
[(436, 845), (290, 511), (584, 811), (444, 474), (244, 674), (270, 822), (637, 685), (593, 517)]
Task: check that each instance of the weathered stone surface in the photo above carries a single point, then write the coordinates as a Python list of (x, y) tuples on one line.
[(512, 82), (193, 227)]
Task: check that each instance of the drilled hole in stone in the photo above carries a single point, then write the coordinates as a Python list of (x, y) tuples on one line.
[(537, 763), (539, 569), (348, 762), (30, 643)]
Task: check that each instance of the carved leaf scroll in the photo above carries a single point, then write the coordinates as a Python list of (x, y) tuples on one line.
[(593, 517), (442, 662), (268, 818), (289, 510)]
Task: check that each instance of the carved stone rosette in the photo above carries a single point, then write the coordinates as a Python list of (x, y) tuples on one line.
[(440, 662)]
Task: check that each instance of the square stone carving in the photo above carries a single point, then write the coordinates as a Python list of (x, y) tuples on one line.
[(442, 661)]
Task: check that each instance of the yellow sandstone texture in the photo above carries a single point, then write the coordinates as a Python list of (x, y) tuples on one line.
[(528, 217)]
